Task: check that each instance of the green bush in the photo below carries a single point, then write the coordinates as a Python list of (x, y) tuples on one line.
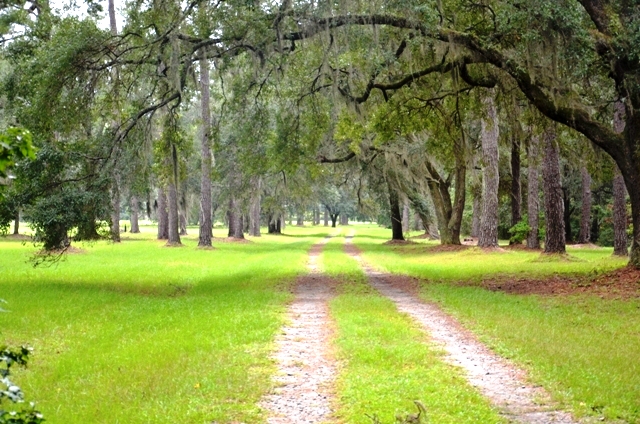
[(520, 231)]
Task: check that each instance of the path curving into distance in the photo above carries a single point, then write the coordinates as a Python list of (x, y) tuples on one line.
[(306, 370), (497, 379)]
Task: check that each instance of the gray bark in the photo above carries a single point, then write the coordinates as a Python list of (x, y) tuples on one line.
[(516, 189), (477, 215), (533, 189), (619, 215), (488, 236), (115, 209), (555, 241), (254, 208), (619, 193), (173, 224), (16, 223), (405, 217), (235, 219), (205, 233), (163, 216), (585, 219), (300, 219), (174, 218), (135, 211), (326, 218)]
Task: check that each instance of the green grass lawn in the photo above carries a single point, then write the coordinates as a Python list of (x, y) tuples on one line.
[(387, 361), (583, 349), (141, 333)]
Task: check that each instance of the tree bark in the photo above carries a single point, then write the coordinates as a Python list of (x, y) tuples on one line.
[(553, 201), (115, 209), (619, 199), (477, 214), (516, 190), (235, 219), (300, 219), (490, 178), (205, 232), (173, 221), (326, 218), (174, 218), (405, 217), (16, 223), (566, 216), (163, 216), (533, 196), (316, 215), (334, 218), (396, 217), (254, 208), (135, 211), (619, 215), (585, 218)]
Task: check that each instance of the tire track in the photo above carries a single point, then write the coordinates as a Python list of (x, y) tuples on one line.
[(306, 370), (497, 379)]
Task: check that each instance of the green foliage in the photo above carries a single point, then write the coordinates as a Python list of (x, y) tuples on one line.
[(520, 231), (15, 144), (10, 392)]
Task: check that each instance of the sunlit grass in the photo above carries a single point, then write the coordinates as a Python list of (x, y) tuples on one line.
[(141, 333), (583, 349), (386, 361)]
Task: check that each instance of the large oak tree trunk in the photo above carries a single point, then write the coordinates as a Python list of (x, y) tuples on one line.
[(205, 232), (135, 211), (585, 218), (619, 215), (553, 202), (163, 215), (254, 208), (533, 190), (396, 217), (490, 179)]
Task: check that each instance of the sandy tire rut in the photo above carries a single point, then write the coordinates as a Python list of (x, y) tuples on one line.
[(497, 379), (306, 370)]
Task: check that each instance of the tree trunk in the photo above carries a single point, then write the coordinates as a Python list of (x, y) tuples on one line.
[(16, 224), (163, 216), (235, 219), (620, 203), (405, 217), (490, 179), (254, 208), (553, 202), (585, 218), (300, 219), (115, 209), (516, 191), (326, 218), (477, 214), (619, 215), (396, 216), (205, 232), (344, 219), (334, 218), (417, 222), (533, 197), (174, 218), (135, 211), (274, 224), (173, 224), (566, 216), (316, 215)]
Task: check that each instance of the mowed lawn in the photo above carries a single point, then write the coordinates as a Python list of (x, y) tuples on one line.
[(141, 333), (585, 350)]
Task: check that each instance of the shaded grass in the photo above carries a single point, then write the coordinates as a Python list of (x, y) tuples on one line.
[(584, 350), (386, 361), (141, 333)]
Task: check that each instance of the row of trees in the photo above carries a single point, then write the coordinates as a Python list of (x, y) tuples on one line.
[(250, 106)]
